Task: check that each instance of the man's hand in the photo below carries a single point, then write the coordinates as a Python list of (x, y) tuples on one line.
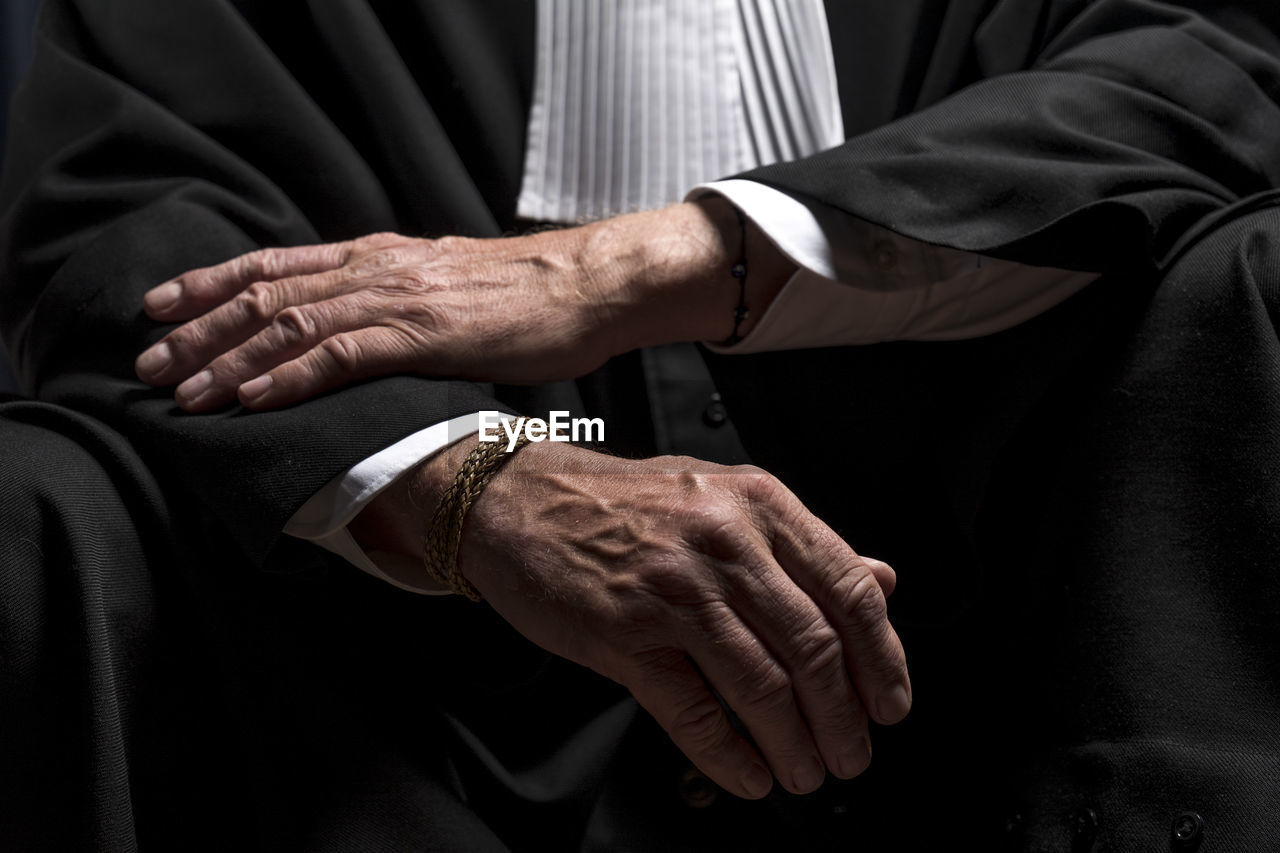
[(276, 326), (683, 580)]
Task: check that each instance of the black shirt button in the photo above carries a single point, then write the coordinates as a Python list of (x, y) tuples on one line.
[(696, 790), (715, 415), (1187, 830), (1084, 830)]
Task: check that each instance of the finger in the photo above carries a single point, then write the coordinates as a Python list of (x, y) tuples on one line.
[(197, 291), (845, 587), (294, 331), (803, 640), (760, 691), (885, 575), (336, 361), (192, 346), (671, 689)]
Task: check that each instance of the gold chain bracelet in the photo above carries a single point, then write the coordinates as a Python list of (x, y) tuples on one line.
[(440, 546)]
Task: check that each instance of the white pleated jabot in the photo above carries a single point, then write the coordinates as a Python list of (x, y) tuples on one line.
[(637, 101)]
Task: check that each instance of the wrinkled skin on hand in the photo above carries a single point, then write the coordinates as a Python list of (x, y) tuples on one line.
[(315, 317), (677, 578), (279, 325), (682, 580)]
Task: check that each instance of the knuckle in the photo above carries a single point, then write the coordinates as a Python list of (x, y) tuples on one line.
[(264, 263), (226, 368), (376, 240), (713, 517), (190, 340), (768, 689), (206, 285), (766, 500), (414, 279), (423, 314), (715, 526), (877, 567), (757, 484), (819, 657), (859, 599), (382, 259), (882, 571), (343, 351), (257, 302), (447, 244), (700, 725), (295, 325)]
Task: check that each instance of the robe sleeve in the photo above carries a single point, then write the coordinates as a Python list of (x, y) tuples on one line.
[(153, 137), (1128, 126)]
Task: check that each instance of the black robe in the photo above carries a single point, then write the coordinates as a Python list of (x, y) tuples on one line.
[(1052, 496)]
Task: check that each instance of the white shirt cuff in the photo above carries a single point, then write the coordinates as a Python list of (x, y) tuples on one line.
[(324, 517), (859, 283)]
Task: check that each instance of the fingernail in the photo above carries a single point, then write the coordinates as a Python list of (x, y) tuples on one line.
[(196, 385), (155, 359), (255, 388), (894, 704), (757, 781), (811, 775), (164, 296)]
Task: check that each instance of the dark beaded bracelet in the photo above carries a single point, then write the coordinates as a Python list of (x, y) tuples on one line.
[(739, 272)]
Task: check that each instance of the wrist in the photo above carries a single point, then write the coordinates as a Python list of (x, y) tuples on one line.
[(672, 273), (396, 520), (768, 271), (512, 509)]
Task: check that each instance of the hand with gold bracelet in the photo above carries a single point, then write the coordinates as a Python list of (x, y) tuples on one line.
[(676, 578), (680, 579)]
